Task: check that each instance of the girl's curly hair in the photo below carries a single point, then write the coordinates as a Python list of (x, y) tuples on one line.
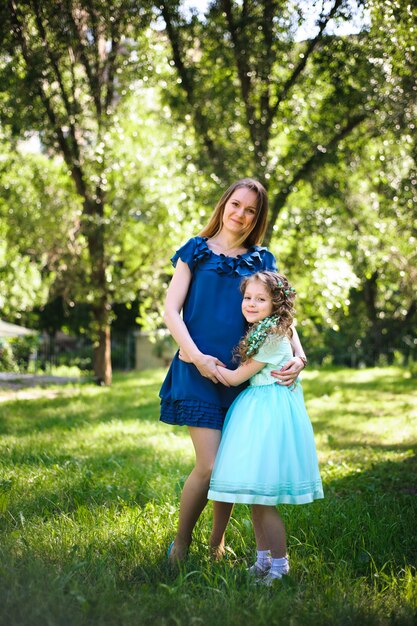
[(282, 296)]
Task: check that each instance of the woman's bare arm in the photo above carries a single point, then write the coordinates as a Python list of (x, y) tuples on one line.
[(297, 348), (175, 298)]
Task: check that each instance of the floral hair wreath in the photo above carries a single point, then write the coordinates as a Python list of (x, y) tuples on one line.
[(286, 291), (260, 332)]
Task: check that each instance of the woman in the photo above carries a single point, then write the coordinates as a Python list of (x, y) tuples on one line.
[(205, 287)]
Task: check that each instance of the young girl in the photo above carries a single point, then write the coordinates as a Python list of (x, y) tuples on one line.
[(267, 453)]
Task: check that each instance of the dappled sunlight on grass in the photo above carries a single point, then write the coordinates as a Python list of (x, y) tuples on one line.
[(89, 489), (347, 409)]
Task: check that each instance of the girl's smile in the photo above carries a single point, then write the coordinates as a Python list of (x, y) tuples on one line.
[(257, 303)]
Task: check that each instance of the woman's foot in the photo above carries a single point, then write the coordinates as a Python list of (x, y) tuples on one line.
[(177, 553), (217, 552)]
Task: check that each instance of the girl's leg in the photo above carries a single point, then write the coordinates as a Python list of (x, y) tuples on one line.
[(274, 534), (194, 494), (273, 530), (263, 553), (261, 541)]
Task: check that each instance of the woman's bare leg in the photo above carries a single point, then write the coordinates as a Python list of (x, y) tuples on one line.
[(221, 516), (194, 494)]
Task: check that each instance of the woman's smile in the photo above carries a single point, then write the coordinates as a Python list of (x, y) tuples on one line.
[(240, 210)]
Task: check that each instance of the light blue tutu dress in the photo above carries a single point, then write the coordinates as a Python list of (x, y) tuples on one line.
[(267, 453)]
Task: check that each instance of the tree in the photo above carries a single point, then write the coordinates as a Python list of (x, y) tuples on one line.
[(66, 68), (264, 103), (371, 200), (355, 266), (142, 126), (310, 119), (38, 208)]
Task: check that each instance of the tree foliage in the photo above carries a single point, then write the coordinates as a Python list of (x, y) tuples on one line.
[(326, 124), (68, 70), (145, 111)]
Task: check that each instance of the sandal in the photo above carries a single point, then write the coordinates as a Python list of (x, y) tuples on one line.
[(175, 555)]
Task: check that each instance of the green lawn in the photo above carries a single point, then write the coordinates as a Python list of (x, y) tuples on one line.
[(89, 488)]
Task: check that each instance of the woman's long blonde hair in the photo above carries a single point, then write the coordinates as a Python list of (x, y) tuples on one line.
[(256, 232)]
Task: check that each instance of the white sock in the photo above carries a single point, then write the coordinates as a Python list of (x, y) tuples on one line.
[(263, 559), (279, 567)]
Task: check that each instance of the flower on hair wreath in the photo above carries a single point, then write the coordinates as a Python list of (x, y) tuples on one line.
[(260, 332), (286, 291)]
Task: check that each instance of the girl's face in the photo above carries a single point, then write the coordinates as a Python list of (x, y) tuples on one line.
[(240, 211), (257, 303)]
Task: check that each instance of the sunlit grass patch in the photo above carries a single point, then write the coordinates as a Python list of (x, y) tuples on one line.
[(89, 487)]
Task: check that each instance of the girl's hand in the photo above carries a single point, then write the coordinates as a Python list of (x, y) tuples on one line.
[(207, 366), (288, 373)]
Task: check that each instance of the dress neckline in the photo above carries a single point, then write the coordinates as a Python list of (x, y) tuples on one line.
[(228, 256)]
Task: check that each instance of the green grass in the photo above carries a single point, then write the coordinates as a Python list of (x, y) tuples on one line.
[(89, 489)]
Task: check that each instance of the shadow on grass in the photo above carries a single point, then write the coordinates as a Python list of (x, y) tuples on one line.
[(378, 503), (360, 537), (90, 544), (368, 516), (124, 402), (132, 477), (394, 478)]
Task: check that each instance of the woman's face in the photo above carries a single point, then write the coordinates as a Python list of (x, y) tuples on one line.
[(257, 303), (240, 211)]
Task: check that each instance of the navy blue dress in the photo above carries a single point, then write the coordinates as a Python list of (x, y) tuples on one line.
[(213, 316)]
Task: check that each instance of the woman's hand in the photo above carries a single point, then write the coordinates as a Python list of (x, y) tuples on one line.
[(183, 356), (207, 366), (288, 373)]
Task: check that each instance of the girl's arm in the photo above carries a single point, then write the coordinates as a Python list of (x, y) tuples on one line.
[(175, 298), (242, 373)]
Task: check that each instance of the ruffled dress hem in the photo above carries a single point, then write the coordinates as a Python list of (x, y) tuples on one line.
[(192, 413)]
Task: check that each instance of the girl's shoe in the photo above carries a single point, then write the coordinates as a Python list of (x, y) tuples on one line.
[(271, 577), (257, 572)]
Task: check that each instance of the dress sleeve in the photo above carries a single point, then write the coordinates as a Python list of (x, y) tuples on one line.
[(186, 253), (269, 263), (271, 350)]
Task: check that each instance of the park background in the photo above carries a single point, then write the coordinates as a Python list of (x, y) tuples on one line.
[(121, 123)]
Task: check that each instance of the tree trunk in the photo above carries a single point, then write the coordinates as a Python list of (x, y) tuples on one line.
[(101, 357), (94, 231), (370, 288)]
